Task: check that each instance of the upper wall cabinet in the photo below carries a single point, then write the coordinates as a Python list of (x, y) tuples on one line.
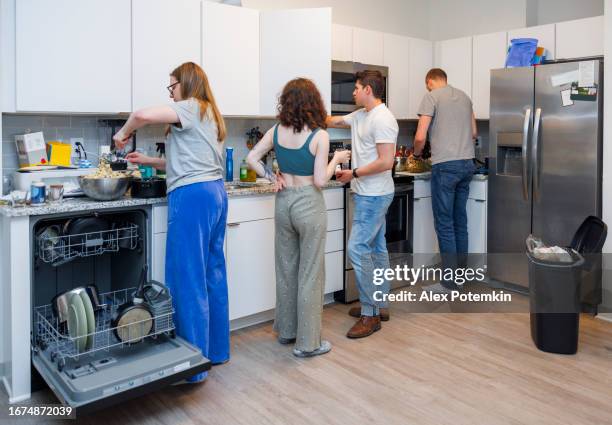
[(294, 43), (544, 33), (455, 58), (73, 56), (7, 55), (342, 42), (160, 44), (368, 46), (421, 61), (231, 58), (397, 58), (489, 52), (580, 38)]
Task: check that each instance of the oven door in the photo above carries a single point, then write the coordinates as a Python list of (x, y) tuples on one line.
[(398, 235), (399, 229), (399, 226)]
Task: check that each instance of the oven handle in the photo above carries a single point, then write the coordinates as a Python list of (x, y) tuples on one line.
[(404, 191)]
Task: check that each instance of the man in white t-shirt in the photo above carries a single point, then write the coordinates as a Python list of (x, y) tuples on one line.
[(374, 132)]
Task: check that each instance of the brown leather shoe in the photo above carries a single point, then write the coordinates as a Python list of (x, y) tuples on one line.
[(365, 326), (356, 312)]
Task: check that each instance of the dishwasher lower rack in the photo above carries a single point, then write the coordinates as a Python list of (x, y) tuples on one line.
[(52, 336)]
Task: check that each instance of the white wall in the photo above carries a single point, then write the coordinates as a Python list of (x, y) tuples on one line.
[(540, 12), (460, 18), (405, 17)]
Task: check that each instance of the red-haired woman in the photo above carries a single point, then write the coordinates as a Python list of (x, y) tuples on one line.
[(197, 208), (301, 145)]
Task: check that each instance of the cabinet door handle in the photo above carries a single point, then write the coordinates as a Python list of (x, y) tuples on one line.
[(480, 200), (233, 224)]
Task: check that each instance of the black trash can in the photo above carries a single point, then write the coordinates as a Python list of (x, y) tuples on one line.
[(554, 303)]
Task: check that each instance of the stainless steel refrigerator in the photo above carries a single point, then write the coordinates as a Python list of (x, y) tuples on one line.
[(545, 144)]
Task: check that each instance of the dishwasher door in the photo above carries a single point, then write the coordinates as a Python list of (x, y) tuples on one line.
[(103, 378)]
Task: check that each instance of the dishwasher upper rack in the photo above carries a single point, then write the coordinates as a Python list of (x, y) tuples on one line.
[(50, 335), (61, 249)]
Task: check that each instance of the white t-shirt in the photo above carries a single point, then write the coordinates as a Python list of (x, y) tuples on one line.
[(367, 130)]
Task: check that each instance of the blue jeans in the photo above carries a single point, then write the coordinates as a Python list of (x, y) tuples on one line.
[(450, 187), (195, 268), (367, 248)]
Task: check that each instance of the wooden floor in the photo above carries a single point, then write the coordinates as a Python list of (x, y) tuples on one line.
[(419, 369)]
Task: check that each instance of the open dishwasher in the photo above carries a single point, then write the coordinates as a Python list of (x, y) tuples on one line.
[(102, 257)]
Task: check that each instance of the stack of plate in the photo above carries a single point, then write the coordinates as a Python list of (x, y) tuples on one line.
[(75, 309)]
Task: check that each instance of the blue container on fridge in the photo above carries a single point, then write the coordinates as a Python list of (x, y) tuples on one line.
[(229, 164)]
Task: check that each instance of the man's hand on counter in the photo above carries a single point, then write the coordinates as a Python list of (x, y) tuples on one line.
[(344, 176)]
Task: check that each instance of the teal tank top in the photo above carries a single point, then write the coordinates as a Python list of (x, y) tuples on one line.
[(299, 162)]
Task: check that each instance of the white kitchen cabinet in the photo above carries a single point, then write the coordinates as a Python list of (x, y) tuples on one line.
[(368, 46), (477, 216), (477, 225), (159, 45), (231, 58), (580, 38), (421, 61), (7, 55), (397, 58), (158, 262), (342, 42), (489, 52), (425, 241), (545, 34), (160, 218), (294, 43), (334, 271), (251, 277), (73, 56), (455, 58)]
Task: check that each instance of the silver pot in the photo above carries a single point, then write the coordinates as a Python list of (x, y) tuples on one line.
[(104, 189)]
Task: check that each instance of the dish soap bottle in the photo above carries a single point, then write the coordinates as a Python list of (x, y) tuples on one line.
[(244, 170), (229, 164)]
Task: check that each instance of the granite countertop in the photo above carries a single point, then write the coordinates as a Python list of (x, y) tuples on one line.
[(87, 204)]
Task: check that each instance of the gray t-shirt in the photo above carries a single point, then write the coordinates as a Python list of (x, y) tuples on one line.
[(193, 153), (450, 131)]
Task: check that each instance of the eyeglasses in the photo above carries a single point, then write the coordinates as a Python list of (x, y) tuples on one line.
[(171, 87)]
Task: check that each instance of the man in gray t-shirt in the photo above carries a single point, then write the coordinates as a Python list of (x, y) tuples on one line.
[(446, 112)]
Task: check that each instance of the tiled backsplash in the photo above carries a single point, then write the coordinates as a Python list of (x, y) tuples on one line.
[(94, 134)]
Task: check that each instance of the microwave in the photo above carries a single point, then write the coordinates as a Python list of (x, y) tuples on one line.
[(343, 83)]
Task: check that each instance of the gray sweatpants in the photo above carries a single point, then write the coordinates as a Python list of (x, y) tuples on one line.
[(301, 226)]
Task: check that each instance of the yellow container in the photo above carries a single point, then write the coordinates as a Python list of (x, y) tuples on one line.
[(59, 153), (251, 176)]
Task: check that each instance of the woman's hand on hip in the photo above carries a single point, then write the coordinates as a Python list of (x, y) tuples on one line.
[(280, 183)]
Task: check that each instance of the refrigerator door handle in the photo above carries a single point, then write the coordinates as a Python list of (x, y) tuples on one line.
[(524, 152), (534, 154)]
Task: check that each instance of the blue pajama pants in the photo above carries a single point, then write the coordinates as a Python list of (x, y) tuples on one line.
[(195, 268)]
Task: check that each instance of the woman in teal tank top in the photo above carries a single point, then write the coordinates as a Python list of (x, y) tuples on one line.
[(301, 144)]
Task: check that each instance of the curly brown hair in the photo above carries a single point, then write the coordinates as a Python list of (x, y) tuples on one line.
[(301, 104)]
